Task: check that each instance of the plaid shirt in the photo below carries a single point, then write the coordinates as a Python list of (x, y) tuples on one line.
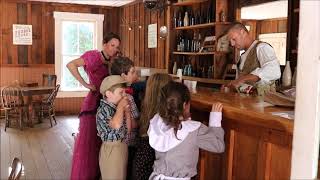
[(131, 137), (105, 113)]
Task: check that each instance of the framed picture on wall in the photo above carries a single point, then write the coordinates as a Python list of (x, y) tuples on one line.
[(22, 34)]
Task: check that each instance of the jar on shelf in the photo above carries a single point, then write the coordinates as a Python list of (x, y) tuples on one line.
[(223, 17)]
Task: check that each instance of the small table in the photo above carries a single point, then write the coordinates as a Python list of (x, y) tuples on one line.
[(32, 91)]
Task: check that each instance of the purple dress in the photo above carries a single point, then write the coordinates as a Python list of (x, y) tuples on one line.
[(85, 163)]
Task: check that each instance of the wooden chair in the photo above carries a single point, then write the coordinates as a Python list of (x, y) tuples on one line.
[(3, 110), (46, 106), (13, 105), (49, 80), (16, 169)]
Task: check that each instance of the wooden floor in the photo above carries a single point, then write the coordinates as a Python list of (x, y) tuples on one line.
[(45, 152)]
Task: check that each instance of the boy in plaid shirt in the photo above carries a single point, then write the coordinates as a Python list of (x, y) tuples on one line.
[(112, 116), (124, 67)]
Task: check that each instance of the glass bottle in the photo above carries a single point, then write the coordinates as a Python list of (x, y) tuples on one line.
[(189, 70), (175, 20), (180, 23), (287, 75), (294, 77), (210, 72), (194, 42), (186, 19), (174, 69), (223, 17)]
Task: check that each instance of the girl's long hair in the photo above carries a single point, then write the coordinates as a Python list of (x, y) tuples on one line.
[(150, 103), (171, 109)]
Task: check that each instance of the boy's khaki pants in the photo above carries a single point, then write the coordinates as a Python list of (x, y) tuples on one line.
[(113, 159)]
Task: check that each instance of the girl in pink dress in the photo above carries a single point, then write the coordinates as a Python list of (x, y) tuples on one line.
[(85, 163)]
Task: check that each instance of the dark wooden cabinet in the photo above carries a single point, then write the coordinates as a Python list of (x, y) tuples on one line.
[(207, 66), (293, 32)]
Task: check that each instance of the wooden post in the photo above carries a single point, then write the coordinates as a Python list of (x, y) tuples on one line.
[(307, 114)]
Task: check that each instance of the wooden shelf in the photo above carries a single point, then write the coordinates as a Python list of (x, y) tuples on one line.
[(200, 54), (199, 26), (296, 10), (173, 75), (189, 2), (202, 80)]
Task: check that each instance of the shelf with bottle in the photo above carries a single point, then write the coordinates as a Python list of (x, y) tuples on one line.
[(188, 18), (196, 27), (200, 53), (188, 2), (195, 46), (199, 26)]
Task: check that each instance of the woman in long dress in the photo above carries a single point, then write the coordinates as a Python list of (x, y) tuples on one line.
[(85, 163)]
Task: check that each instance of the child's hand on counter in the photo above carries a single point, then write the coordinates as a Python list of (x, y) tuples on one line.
[(216, 107)]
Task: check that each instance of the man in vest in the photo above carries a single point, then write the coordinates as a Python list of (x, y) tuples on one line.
[(258, 65)]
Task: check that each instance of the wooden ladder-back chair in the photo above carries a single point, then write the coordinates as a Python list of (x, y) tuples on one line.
[(14, 105), (46, 106), (49, 80), (3, 110), (16, 169)]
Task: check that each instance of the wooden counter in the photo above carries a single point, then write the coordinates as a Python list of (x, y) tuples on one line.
[(258, 144)]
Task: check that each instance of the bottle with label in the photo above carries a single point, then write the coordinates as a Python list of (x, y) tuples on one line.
[(186, 19)]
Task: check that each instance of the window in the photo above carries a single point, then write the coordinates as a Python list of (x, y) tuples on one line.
[(278, 41), (75, 33)]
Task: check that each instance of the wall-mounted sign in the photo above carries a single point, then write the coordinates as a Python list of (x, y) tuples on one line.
[(22, 34), (152, 36)]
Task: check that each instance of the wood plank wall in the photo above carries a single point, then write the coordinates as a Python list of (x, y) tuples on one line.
[(278, 25), (33, 74), (135, 41), (40, 16), (27, 63)]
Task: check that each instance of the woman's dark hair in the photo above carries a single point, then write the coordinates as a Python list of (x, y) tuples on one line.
[(121, 65), (172, 97), (110, 36)]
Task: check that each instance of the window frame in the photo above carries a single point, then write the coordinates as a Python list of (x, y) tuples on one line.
[(59, 17)]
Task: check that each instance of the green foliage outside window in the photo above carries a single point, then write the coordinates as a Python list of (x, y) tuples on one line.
[(77, 39)]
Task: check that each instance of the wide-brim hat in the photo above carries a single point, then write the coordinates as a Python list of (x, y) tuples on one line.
[(110, 81)]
